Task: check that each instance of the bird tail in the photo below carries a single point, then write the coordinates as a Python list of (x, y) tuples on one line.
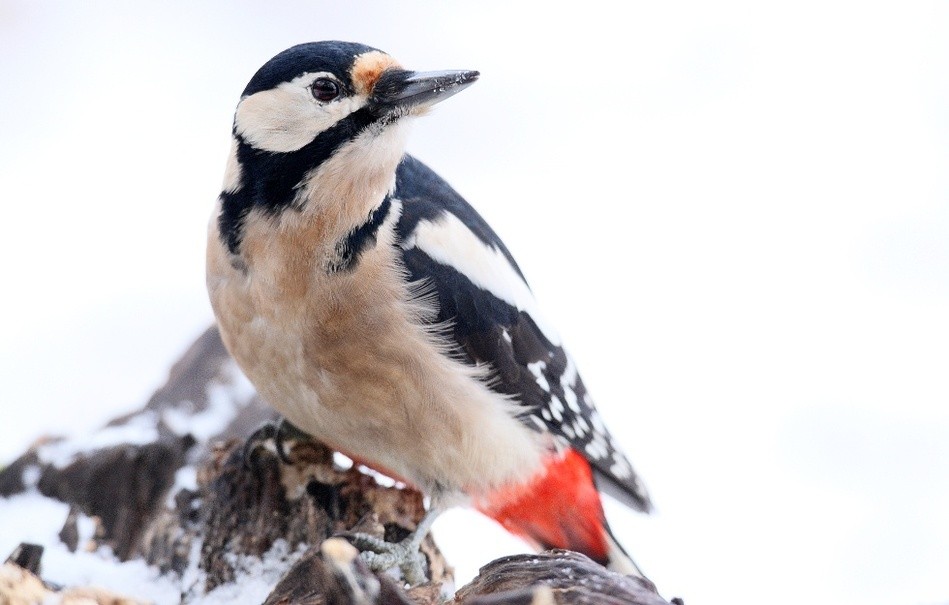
[(617, 559), (561, 508)]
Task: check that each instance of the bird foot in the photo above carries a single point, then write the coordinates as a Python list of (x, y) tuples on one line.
[(274, 434), (380, 555)]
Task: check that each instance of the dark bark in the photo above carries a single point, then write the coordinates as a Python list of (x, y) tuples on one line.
[(158, 499), (560, 576)]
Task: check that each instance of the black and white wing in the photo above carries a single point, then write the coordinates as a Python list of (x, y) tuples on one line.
[(494, 319)]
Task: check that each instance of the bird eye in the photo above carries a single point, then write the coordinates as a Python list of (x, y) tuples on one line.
[(324, 89)]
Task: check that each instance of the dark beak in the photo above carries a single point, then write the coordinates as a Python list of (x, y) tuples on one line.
[(398, 90)]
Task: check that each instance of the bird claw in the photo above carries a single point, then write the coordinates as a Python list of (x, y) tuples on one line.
[(380, 556), (257, 440), (278, 432)]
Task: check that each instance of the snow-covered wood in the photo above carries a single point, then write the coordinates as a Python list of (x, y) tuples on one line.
[(182, 486)]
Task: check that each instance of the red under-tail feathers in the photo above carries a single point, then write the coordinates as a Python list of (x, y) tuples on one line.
[(561, 508)]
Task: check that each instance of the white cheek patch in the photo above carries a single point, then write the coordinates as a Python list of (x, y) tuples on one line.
[(448, 241), (285, 118)]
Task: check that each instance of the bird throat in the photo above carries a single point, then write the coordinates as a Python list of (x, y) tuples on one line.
[(271, 182)]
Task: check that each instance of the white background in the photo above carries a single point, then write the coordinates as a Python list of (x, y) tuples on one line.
[(737, 217)]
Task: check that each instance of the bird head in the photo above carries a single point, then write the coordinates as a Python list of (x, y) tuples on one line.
[(318, 111)]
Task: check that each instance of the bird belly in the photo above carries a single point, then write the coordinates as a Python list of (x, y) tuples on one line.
[(350, 362)]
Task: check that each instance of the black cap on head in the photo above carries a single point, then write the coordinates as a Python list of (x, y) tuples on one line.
[(333, 56)]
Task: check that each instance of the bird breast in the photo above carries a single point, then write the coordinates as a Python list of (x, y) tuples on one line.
[(348, 358)]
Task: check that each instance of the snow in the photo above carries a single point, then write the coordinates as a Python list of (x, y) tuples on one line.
[(735, 214), (138, 430), (31, 517), (186, 477), (255, 578), (225, 399)]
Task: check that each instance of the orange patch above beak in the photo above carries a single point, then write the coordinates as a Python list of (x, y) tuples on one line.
[(368, 67)]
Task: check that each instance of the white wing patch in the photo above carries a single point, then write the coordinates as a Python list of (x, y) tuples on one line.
[(448, 241), (567, 381)]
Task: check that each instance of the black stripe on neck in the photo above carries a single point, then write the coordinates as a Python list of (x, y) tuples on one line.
[(270, 181), (359, 239)]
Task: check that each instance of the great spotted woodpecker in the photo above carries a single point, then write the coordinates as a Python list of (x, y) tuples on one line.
[(378, 312)]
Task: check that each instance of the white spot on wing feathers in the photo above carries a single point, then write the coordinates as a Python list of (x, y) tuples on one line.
[(621, 468), (556, 408), (582, 425), (597, 449), (598, 425), (450, 242), (537, 369)]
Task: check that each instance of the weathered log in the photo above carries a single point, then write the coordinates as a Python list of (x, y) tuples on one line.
[(27, 556), (177, 485), (555, 576)]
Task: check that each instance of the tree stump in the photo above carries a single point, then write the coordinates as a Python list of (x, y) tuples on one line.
[(178, 486)]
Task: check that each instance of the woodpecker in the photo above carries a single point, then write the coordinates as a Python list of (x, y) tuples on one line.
[(378, 312)]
